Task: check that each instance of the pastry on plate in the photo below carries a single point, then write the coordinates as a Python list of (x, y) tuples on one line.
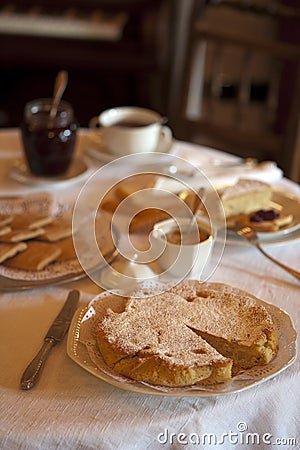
[(56, 230), (4, 230), (191, 334), (231, 322), (8, 250), (249, 203), (36, 256), (67, 249), (30, 221), (5, 219), (24, 234), (245, 196)]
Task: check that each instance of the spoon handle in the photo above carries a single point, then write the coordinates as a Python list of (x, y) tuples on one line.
[(59, 88)]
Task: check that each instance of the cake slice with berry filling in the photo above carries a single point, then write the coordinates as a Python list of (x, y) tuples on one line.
[(246, 196)]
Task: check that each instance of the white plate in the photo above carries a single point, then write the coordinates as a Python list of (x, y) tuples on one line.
[(286, 203), (96, 149), (77, 171), (95, 365), (57, 272)]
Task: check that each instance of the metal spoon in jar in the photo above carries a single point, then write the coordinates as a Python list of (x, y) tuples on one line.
[(59, 88)]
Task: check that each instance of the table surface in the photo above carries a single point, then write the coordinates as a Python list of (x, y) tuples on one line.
[(70, 408)]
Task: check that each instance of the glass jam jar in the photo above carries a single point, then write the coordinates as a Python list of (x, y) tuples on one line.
[(49, 143)]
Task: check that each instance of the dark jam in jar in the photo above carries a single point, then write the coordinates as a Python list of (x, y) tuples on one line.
[(48, 144)]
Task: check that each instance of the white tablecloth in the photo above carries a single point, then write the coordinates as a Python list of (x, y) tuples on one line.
[(71, 409)]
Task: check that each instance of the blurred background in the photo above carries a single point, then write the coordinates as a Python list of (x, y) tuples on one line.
[(139, 52)]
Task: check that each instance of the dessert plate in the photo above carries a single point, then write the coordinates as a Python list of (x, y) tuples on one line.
[(82, 348), (8, 284), (285, 203), (77, 172), (96, 149), (55, 273), (60, 271)]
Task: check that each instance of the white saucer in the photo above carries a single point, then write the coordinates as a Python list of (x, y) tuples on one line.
[(77, 171), (96, 149)]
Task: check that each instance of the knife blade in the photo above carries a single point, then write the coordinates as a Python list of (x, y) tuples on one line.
[(55, 334)]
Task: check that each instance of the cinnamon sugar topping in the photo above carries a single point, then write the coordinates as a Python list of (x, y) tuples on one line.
[(189, 334)]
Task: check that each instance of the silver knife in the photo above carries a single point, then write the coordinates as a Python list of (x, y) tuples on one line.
[(55, 334)]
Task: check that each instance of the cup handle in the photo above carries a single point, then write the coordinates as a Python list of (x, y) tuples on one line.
[(165, 138), (166, 133), (94, 122)]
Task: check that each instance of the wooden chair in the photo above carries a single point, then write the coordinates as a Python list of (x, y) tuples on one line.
[(234, 89), (295, 167), (273, 8)]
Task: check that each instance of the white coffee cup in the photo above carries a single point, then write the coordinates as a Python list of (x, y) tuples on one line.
[(128, 129), (181, 259)]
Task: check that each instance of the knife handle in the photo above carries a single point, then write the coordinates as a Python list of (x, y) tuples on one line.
[(33, 371)]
